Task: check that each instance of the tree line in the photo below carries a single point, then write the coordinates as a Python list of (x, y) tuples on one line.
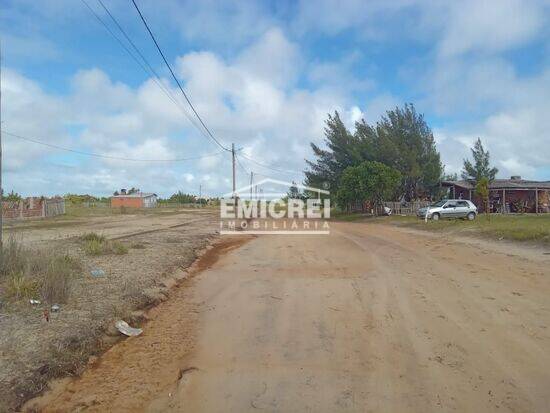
[(396, 159)]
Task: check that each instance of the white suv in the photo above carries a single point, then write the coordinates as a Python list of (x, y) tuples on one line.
[(449, 208)]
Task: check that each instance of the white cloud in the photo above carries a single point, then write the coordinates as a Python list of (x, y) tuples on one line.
[(490, 25), (254, 104)]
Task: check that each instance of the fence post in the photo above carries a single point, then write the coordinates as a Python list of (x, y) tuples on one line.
[(44, 208)]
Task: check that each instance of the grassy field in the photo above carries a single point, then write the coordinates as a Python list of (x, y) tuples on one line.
[(508, 227), (511, 227)]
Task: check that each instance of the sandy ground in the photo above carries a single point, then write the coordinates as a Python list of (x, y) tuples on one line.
[(33, 350), (369, 319), (112, 226)]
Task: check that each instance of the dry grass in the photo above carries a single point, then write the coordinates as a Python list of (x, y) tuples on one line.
[(19, 286), (58, 277), (26, 273), (138, 245), (96, 244), (32, 350)]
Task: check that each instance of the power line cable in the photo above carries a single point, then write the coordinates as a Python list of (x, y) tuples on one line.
[(289, 172), (241, 165), (176, 79), (149, 69), (96, 155)]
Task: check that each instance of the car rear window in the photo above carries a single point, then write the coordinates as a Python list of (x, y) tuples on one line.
[(463, 204)]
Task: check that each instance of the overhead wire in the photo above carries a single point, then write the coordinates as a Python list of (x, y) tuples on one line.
[(289, 172), (158, 80), (176, 79), (96, 155), (147, 68)]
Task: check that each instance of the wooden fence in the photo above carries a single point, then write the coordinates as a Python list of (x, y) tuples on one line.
[(406, 208), (54, 207)]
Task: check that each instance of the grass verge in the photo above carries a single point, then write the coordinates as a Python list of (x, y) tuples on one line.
[(534, 228)]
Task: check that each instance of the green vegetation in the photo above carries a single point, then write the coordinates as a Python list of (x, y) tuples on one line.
[(482, 191), (400, 140), (481, 167), (96, 244), (338, 215), (26, 273), (367, 182), (11, 197), (77, 199), (506, 227), (182, 198)]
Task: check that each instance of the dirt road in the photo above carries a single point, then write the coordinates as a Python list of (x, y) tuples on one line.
[(370, 318)]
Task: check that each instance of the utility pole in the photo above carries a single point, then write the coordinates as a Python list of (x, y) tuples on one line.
[(200, 195), (233, 156), (1, 191), (251, 185)]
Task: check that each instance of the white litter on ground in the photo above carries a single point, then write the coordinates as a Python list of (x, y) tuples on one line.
[(125, 329)]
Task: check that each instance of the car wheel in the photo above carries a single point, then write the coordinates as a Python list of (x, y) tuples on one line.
[(471, 216), (435, 217)]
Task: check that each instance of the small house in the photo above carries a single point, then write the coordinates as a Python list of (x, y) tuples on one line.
[(505, 195), (134, 200)]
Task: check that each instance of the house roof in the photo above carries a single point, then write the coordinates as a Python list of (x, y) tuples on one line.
[(502, 184), (135, 195)]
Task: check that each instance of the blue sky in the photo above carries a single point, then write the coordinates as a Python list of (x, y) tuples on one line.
[(264, 75)]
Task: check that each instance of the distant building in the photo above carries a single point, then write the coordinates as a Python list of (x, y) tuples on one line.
[(506, 195), (134, 200)]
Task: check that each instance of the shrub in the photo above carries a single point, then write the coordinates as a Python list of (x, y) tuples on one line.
[(56, 284), (29, 273), (95, 244), (93, 236), (13, 257), (119, 248), (20, 286), (94, 247)]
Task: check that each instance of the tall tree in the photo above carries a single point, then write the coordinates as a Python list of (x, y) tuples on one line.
[(480, 168), (294, 192), (405, 142), (342, 150)]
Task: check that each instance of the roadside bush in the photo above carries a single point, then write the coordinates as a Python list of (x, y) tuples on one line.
[(20, 286), (95, 247), (93, 236), (27, 273), (119, 248), (13, 257), (56, 284), (95, 244)]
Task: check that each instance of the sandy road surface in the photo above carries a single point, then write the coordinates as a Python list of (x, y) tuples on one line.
[(370, 318)]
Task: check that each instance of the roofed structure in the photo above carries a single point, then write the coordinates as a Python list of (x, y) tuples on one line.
[(506, 195)]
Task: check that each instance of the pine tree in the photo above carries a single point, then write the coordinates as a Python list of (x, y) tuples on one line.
[(293, 192), (342, 151), (404, 141), (481, 166)]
